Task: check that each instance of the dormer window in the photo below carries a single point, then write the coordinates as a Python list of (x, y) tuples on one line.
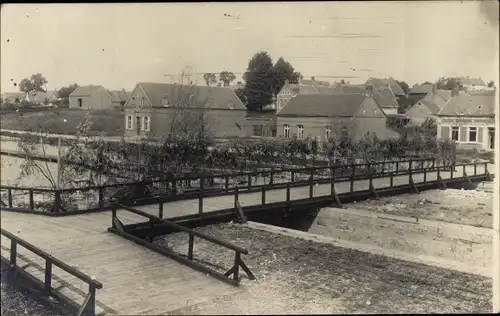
[(165, 102)]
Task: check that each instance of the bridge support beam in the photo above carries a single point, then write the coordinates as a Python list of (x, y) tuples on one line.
[(413, 186)]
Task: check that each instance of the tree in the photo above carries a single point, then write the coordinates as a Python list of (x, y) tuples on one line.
[(64, 92), (491, 84), (210, 78), (31, 86), (226, 77), (259, 88), (283, 71), (448, 83)]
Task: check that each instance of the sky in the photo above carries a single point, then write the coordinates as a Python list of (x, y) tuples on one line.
[(118, 45)]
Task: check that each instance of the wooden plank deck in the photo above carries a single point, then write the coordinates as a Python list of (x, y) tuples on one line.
[(137, 280)]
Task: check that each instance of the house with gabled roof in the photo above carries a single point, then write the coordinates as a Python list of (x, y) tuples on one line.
[(119, 97), (323, 116), (304, 87), (469, 120), (473, 84), (427, 107), (157, 110), (388, 83), (91, 97)]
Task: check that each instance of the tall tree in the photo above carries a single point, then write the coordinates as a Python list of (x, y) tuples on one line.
[(283, 71), (404, 86), (64, 92), (210, 78), (36, 83), (226, 77), (259, 87)]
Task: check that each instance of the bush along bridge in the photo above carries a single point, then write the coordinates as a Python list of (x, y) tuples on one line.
[(109, 231)]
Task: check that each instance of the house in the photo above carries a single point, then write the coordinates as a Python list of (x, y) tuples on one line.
[(418, 92), (473, 84), (469, 120), (92, 97), (157, 110), (385, 99), (322, 116), (45, 98), (263, 123), (119, 97), (388, 83), (427, 107), (304, 87)]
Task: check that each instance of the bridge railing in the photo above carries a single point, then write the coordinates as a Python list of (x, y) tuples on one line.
[(88, 306), (84, 199), (188, 259)]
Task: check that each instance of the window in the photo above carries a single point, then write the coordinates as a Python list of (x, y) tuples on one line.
[(164, 102), (138, 124), (454, 133), (328, 132), (472, 134), (145, 123), (142, 101), (80, 103), (129, 122), (133, 100), (257, 130), (286, 130), (300, 131), (344, 133)]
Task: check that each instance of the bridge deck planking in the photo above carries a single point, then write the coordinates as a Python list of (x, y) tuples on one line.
[(137, 280)]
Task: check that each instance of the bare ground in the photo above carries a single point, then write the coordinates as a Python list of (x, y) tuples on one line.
[(299, 276), (467, 207)]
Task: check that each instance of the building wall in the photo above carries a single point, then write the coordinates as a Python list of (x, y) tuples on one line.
[(285, 95), (222, 123), (483, 124), (419, 113), (99, 100)]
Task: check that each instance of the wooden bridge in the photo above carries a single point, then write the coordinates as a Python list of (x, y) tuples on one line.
[(113, 242)]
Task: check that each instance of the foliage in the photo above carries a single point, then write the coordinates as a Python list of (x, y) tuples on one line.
[(210, 78), (491, 84), (226, 77), (404, 86), (64, 92), (448, 83), (264, 80), (34, 84)]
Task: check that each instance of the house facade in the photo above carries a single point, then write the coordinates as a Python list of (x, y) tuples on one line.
[(323, 116), (91, 97), (428, 107), (469, 120), (156, 110)]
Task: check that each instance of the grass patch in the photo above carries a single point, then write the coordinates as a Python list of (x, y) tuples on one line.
[(111, 122)]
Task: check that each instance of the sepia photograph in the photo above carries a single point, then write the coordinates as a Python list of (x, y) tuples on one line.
[(250, 158)]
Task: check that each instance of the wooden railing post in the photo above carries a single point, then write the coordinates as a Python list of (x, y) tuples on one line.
[(425, 175), (433, 163), (236, 197), (249, 182), (191, 247), (311, 193), (174, 187), (271, 176), (397, 166), (113, 216), (475, 169), (370, 178), (200, 195), (32, 201), (226, 182), (90, 308), (101, 198), (264, 195), (391, 179), (353, 174), (160, 208), (332, 181), (410, 165), (464, 173), (57, 201), (237, 259), (9, 197), (13, 256), (48, 277), (288, 192), (451, 171), (293, 176)]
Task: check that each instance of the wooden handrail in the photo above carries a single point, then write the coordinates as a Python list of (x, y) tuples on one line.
[(50, 261), (181, 228)]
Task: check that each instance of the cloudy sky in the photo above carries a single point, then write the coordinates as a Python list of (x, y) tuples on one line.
[(117, 45)]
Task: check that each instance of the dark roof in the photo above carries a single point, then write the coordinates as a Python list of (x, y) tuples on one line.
[(388, 83), (431, 105), (420, 89), (323, 105), (472, 81), (191, 95), (85, 91), (385, 98), (469, 105)]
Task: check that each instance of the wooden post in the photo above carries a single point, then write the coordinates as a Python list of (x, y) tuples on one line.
[(332, 181), (425, 175), (293, 176), (113, 216), (90, 308), (101, 197), (271, 176), (48, 277), (57, 202), (32, 201), (475, 169), (397, 166), (236, 197), (200, 195), (174, 187), (370, 176), (311, 193), (160, 208), (352, 178), (263, 195), (9, 197), (391, 179), (191, 247), (288, 192), (226, 182), (249, 181), (13, 257)]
